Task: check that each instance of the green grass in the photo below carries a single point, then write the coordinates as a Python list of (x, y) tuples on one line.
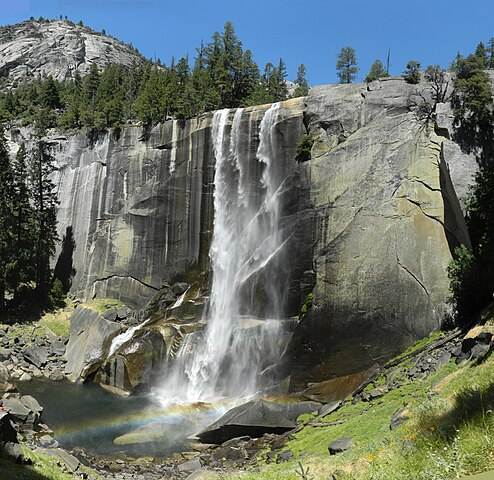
[(450, 432), (42, 468), (56, 323), (103, 304), (413, 349)]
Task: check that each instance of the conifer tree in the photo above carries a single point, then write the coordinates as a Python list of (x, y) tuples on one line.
[(481, 54), (490, 50), (302, 87), (377, 71), (412, 72), (90, 86), (49, 95), (23, 239), (6, 219), (45, 204), (346, 65)]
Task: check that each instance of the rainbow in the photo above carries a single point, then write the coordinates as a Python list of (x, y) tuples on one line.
[(171, 415)]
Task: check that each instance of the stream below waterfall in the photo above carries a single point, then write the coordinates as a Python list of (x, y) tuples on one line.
[(86, 416)]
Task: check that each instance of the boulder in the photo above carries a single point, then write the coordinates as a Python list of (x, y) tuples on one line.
[(5, 354), (110, 314), (151, 432), (190, 465), (71, 462), (135, 364), (90, 339), (253, 418), (17, 410), (340, 445), (25, 377), (36, 355), (6, 384), (340, 388), (399, 417), (329, 408), (57, 348), (35, 409), (47, 441)]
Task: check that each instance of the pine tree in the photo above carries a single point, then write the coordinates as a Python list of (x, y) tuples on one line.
[(481, 54), (150, 105), (23, 247), (490, 50), (377, 71), (473, 90), (412, 72), (302, 87), (346, 65), (45, 213), (6, 218), (279, 86), (49, 95), (90, 86)]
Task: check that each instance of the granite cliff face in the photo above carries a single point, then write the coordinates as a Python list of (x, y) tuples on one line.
[(32, 49), (387, 220), (137, 210), (374, 216)]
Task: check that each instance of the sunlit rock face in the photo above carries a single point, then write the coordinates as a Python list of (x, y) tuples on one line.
[(136, 210), (387, 222), (32, 49)]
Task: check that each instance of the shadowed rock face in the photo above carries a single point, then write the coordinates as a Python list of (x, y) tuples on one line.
[(31, 49)]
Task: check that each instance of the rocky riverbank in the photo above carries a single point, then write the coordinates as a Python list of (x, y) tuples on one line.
[(245, 438)]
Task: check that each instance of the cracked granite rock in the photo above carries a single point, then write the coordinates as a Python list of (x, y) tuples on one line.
[(387, 221), (58, 48)]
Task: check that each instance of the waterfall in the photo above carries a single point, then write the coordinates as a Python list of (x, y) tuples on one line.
[(241, 338)]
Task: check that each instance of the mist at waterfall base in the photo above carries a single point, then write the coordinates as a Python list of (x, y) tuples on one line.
[(86, 416), (245, 334)]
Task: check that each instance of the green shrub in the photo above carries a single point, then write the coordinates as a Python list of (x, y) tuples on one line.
[(56, 297), (412, 72), (308, 303), (304, 147)]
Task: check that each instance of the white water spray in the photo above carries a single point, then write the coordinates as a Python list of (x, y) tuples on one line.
[(246, 245)]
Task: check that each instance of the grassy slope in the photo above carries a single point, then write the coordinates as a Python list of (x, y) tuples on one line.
[(450, 433), (42, 468)]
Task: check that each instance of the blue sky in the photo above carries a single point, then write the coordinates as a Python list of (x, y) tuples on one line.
[(303, 31)]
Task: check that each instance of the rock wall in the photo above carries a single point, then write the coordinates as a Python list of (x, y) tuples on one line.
[(387, 222), (32, 49), (136, 211), (374, 216)]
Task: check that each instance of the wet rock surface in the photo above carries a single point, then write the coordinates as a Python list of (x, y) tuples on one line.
[(89, 343), (253, 418)]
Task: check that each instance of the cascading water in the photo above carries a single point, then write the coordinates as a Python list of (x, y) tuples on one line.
[(241, 338)]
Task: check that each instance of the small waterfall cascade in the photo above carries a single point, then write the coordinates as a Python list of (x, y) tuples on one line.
[(243, 335)]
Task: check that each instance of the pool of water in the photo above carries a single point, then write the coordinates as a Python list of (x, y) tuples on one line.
[(87, 416)]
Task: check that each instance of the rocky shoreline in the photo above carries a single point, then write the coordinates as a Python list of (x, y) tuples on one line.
[(244, 447)]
